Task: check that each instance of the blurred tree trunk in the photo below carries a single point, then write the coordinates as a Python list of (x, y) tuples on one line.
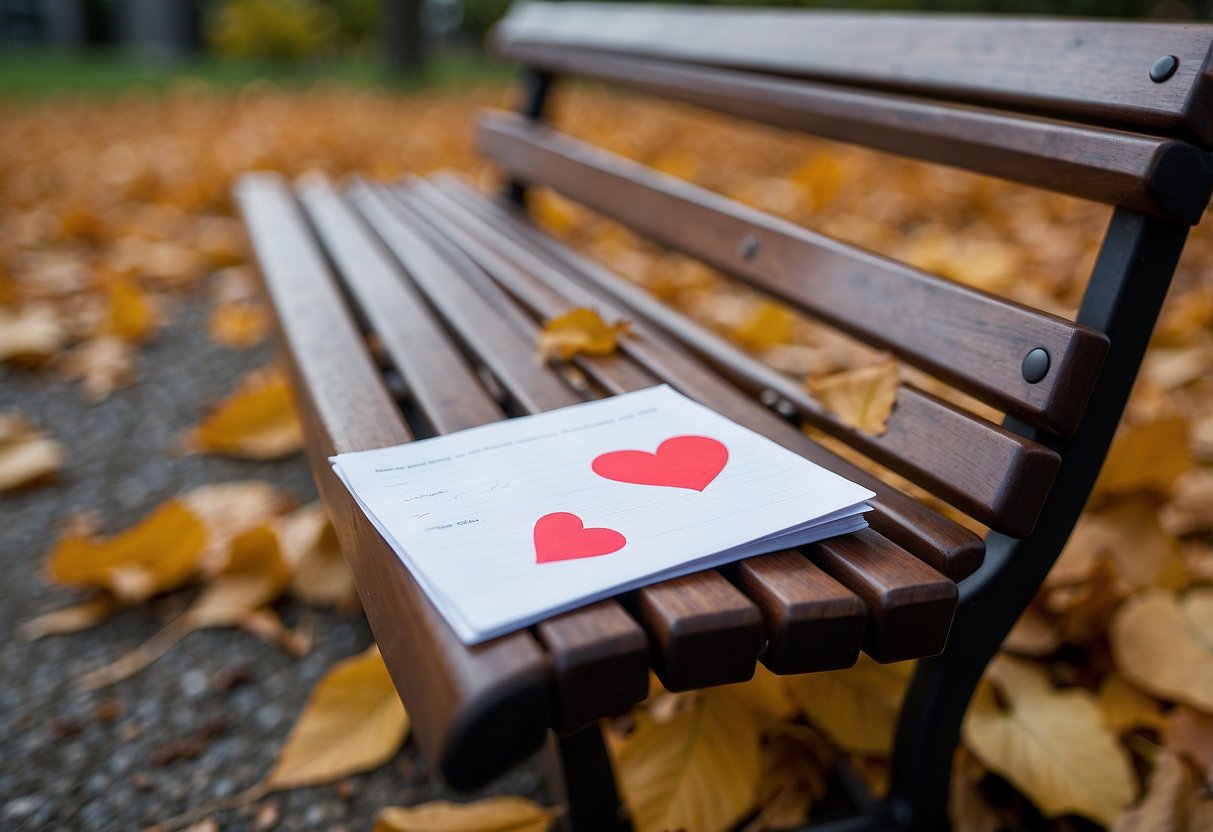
[(404, 37)]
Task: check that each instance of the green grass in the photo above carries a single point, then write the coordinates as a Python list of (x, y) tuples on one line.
[(35, 75)]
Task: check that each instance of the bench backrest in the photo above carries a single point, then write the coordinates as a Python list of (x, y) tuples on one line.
[(1042, 103)]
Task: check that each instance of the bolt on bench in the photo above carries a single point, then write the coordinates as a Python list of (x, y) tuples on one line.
[(455, 286)]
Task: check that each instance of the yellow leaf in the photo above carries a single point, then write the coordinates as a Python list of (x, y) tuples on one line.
[(856, 708), (26, 454), (160, 553), (257, 421), (492, 814), (698, 770), (1051, 744), (863, 398), (582, 331), (132, 316), (31, 335), (1124, 707), (1164, 645), (103, 363), (321, 576), (767, 324), (255, 576), (228, 509), (1146, 457), (353, 721), (238, 324)]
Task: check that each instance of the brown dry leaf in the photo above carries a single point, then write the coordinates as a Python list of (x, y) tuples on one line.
[(492, 814), (863, 398), (1127, 534), (1191, 512), (1051, 744), (1190, 732), (1034, 635), (1124, 707), (1164, 644), (31, 335), (580, 332), (1165, 806), (967, 808), (353, 722), (158, 554), (320, 574), (228, 509), (132, 314), (103, 363), (796, 763), (856, 708), (1146, 457), (698, 770), (70, 619), (27, 455), (238, 325), (257, 421)]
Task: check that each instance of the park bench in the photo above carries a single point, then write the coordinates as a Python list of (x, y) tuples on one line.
[(454, 286)]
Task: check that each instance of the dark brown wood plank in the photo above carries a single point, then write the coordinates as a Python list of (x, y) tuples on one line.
[(996, 476), (676, 645), (909, 604), (1078, 69), (812, 621), (948, 547), (586, 647), (458, 695), (970, 339), (1164, 177)]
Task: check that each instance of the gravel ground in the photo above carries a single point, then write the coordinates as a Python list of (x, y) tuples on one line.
[(94, 760)]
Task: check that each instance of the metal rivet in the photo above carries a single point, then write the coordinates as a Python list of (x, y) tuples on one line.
[(1035, 365), (749, 247), (1164, 68)]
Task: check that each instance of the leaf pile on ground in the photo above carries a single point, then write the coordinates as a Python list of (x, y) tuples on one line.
[(115, 213)]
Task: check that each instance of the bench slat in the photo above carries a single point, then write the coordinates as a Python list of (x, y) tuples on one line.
[(998, 477), (1097, 72), (968, 338), (1164, 177), (593, 676), (466, 693), (676, 628), (946, 546), (520, 283)]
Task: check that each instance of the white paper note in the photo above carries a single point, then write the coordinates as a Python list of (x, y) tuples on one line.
[(506, 524)]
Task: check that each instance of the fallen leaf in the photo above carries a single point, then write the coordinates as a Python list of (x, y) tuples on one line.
[(1164, 808), (257, 421), (1051, 744), (796, 762), (967, 808), (1164, 644), (1146, 457), (492, 814), (31, 335), (1190, 733), (863, 398), (1124, 707), (856, 708), (132, 314), (238, 324), (228, 509), (1034, 635), (320, 574), (698, 770), (27, 455), (580, 332), (70, 619), (353, 722), (1191, 512), (104, 363), (158, 554)]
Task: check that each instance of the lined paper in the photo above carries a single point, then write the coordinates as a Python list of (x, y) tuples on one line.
[(461, 510)]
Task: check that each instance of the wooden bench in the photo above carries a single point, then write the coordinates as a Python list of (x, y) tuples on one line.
[(455, 286)]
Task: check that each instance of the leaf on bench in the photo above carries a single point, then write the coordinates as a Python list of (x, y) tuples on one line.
[(580, 332), (492, 814), (863, 398), (257, 421)]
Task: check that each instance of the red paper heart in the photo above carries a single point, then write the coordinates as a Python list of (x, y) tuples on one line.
[(562, 536), (681, 462)]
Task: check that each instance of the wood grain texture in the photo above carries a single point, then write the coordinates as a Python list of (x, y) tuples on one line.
[(943, 544), (476, 710), (968, 338), (812, 622), (1168, 178), (598, 655), (1089, 71)]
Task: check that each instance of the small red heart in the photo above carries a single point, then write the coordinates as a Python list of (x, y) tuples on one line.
[(682, 462), (562, 536)]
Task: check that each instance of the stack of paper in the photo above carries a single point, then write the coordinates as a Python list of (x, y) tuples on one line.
[(507, 524)]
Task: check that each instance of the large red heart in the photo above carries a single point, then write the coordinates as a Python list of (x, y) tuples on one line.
[(681, 461), (562, 536)]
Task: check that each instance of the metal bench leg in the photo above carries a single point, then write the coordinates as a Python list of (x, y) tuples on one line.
[(535, 86), (580, 777)]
